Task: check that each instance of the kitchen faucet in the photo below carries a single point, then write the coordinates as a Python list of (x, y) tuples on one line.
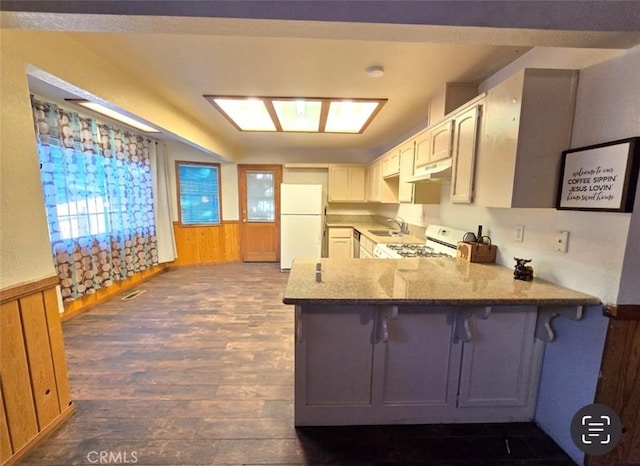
[(401, 224)]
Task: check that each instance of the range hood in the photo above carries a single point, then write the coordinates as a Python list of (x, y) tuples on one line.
[(437, 171)]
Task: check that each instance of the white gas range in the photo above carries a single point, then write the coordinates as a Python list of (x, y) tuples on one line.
[(441, 242)]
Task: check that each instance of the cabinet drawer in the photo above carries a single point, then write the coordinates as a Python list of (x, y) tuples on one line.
[(340, 232)]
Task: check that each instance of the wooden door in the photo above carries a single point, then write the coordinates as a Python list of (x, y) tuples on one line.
[(259, 196)]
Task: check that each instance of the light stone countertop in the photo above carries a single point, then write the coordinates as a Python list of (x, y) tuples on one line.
[(421, 281), (364, 228)]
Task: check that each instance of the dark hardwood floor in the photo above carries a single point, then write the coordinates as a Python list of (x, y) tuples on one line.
[(198, 370)]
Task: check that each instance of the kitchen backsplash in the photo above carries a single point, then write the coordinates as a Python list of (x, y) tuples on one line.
[(415, 230)]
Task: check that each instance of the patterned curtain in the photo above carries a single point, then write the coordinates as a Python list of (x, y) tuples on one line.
[(98, 196)]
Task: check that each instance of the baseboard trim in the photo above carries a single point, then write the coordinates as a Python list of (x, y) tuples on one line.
[(62, 417), (70, 314)]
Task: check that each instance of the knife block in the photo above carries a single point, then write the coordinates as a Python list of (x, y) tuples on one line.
[(477, 252)]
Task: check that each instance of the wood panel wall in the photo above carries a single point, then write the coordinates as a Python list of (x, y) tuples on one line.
[(35, 394), (198, 245), (619, 384), (86, 302)]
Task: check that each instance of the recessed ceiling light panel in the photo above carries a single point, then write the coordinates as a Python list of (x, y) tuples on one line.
[(248, 114), (297, 114), (349, 117)]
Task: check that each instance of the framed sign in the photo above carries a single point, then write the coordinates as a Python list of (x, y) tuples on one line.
[(602, 177)]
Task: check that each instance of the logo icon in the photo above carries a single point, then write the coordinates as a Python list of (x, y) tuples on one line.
[(596, 429)]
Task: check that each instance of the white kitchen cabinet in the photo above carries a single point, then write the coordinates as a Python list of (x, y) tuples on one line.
[(440, 141), (380, 189), (340, 243), (414, 193), (373, 175), (391, 164), (505, 336), (405, 190), (527, 123), (346, 183), (449, 98), (465, 137), (423, 143)]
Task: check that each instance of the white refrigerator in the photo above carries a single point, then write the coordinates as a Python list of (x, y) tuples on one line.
[(301, 222)]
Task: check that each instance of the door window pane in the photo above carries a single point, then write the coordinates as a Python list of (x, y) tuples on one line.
[(260, 197)]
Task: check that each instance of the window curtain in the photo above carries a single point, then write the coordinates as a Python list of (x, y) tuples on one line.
[(98, 194), (167, 250)]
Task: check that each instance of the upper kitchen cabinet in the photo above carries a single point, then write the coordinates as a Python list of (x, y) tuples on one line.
[(423, 142), (380, 189), (414, 193), (436, 142), (346, 183), (440, 141), (391, 164), (465, 138), (527, 124)]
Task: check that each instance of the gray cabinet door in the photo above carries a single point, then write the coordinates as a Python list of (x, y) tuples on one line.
[(497, 363), (421, 364), (335, 356)]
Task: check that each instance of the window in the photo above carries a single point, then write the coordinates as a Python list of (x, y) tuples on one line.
[(198, 193), (260, 200), (98, 196)]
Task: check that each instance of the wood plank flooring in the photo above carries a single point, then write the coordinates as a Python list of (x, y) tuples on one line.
[(198, 370)]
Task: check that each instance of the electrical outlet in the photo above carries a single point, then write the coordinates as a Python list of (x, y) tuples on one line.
[(519, 236), (562, 241)]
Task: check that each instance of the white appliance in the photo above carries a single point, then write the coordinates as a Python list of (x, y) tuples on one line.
[(441, 242), (301, 222)]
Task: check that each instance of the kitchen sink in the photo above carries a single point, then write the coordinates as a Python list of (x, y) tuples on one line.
[(385, 232)]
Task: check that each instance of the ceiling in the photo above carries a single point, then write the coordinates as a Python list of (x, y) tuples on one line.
[(182, 58)]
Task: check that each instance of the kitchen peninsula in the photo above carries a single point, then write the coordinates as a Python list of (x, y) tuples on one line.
[(420, 340)]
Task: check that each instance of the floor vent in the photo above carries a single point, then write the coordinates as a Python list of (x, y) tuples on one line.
[(131, 295)]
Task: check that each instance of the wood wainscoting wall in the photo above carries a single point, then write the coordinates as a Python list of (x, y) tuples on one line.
[(619, 383), (196, 245), (34, 385), (200, 244), (86, 302)]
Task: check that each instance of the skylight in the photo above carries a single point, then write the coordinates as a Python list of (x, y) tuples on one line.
[(301, 115)]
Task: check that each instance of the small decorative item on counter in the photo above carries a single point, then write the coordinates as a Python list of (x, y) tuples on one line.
[(522, 271), (477, 249)]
